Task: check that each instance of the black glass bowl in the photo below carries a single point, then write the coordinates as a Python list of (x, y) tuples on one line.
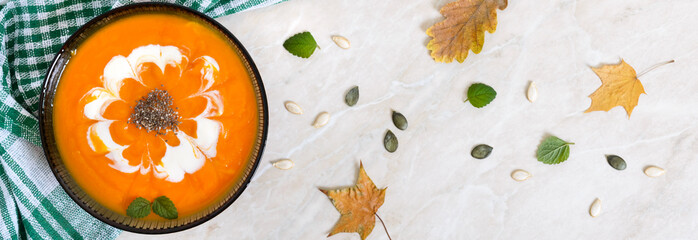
[(56, 162)]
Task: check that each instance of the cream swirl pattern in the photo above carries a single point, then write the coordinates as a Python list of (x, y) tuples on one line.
[(191, 152)]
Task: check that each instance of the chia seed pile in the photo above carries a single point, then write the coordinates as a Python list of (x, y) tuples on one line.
[(154, 112)]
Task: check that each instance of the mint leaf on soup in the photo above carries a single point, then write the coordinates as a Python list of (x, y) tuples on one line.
[(164, 207), (139, 208)]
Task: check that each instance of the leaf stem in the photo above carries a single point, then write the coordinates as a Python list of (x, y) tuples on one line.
[(386, 229), (654, 66), (466, 100)]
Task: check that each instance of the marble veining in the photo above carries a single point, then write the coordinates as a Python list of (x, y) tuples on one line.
[(435, 189)]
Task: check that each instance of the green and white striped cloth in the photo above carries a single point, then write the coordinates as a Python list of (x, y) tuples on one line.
[(32, 204)]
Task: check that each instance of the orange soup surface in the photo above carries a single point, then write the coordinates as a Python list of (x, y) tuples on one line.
[(156, 105)]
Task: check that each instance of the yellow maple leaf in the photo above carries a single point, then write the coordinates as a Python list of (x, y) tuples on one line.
[(357, 205), (619, 87), (463, 29)]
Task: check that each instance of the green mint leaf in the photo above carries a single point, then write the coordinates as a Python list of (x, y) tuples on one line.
[(301, 45), (553, 150), (139, 208), (480, 95), (164, 207)]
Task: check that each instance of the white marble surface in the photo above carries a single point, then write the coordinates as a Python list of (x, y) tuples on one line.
[(435, 189)]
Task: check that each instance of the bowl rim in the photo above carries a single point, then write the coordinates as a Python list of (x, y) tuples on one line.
[(57, 66)]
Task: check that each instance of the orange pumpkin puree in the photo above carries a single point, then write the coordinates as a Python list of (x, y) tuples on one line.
[(86, 155)]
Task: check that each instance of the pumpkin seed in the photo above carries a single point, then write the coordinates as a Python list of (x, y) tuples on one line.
[(532, 92), (283, 164), (616, 162), (399, 120), (653, 171), (341, 42), (390, 141), (321, 119), (293, 107), (520, 175), (595, 208), (481, 151), (352, 96)]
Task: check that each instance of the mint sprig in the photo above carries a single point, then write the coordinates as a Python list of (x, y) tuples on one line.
[(139, 208), (479, 95), (553, 150), (301, 45), (162, 206)]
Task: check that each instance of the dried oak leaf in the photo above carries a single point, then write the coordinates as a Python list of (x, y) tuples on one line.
[(357, 205), (463, 29), (619, 87)]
